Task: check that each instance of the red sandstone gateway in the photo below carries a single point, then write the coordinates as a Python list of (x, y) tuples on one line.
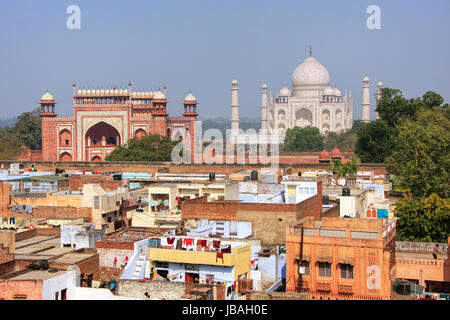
[(105, 119)]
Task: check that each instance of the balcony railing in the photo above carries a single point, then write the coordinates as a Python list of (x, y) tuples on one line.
[(420, 247)]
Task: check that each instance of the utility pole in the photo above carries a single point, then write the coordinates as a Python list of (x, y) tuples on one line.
[(300, 261)]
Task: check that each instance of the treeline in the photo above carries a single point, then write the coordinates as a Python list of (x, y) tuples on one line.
[(26, 131)]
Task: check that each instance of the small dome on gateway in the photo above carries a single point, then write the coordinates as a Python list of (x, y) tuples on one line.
[(97, 91), (336, 152), (107, 91), (159, 95), (125, 91), (120, 91), (190, 97), (80, 92), (88, 91), (83, 92), (324, 155), (47, 96), (102, 91)]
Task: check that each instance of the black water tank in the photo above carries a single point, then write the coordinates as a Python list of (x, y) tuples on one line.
[(254, 175), (212, 176), (117, 176), (325, 199), (299, 173), (346, 192), (403, 287), (43, 264)]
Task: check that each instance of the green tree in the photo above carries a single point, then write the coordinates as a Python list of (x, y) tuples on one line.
[(345, 141), (10, 145), (303, 139), (28, 129), (357, 125), (344, 170), (425, 219), (374, 141), (149, 148), (420, 155), (392, 106)]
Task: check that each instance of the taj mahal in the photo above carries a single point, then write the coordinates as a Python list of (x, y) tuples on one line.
[(310, 102)]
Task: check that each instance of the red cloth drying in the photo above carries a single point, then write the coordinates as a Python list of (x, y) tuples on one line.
[(219, 255), (170, 240), (216, 244)]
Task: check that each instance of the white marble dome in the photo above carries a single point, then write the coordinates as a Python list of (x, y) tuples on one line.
[(284, 92), (328, 92), (310, 73), (159, 95), (190, 97), (47, 96), (337, 92)]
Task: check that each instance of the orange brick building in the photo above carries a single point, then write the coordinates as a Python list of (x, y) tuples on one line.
[(341, 258), (104, 120)]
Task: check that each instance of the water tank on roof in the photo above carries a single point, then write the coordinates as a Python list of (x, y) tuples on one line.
[(346, 192), (254, 175), (325, 199), (403, 287), (212, 176)]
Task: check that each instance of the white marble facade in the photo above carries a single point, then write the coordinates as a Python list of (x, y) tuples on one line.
[(310, 102)]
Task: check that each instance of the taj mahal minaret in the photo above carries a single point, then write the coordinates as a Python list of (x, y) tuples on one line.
[(366, 100), (234, 108), (264, 107), (380, 86)]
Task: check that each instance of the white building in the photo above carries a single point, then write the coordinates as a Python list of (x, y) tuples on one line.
[(310, 102)]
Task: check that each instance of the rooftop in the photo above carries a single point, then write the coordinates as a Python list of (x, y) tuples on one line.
[(38, 275), (131, 235)]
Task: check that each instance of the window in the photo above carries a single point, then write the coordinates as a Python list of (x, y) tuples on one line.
[(111, 140), (305, 265), (324, 269), (96, 202), (346, 271), (67, 142), (64, 294)]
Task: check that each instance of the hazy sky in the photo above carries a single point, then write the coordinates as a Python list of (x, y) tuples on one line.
[(200, 45)]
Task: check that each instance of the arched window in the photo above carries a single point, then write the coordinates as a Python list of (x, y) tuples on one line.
[(65, 138), (111, 141)]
